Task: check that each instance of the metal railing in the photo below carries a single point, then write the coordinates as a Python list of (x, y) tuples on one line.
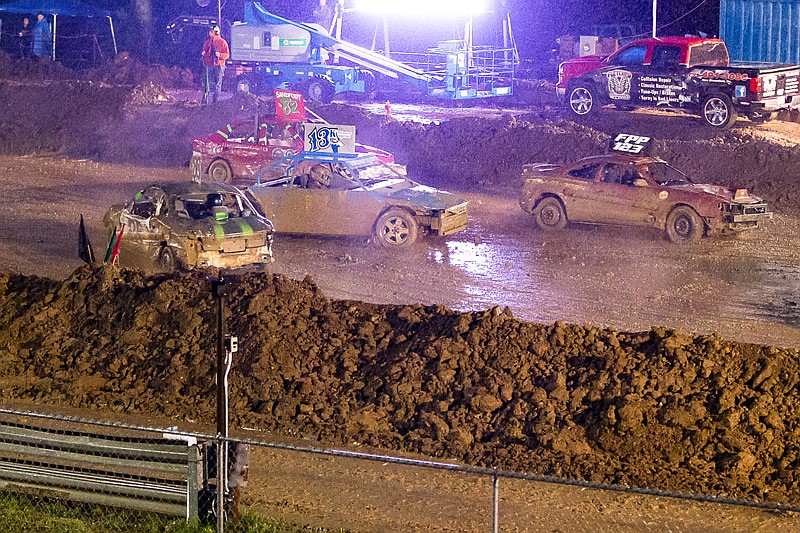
[(452, 497)]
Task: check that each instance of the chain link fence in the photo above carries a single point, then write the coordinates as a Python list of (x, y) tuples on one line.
[(66, 474)]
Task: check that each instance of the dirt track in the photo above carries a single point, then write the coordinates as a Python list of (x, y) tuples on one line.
[(661, 408)]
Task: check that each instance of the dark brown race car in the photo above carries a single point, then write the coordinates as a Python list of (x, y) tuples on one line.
[(634, 190)]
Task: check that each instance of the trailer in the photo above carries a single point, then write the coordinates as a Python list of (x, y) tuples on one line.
[(270, 52)]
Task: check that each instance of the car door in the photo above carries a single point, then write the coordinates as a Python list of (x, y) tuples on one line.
[(577, 189), (242, 150), (626, 195), (661, 82), (619, 78), (293, 207), (143, 232)]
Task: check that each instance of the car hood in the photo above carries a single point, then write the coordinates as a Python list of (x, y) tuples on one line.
[(717, 191)]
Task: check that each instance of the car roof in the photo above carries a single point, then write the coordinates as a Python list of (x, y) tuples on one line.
[(190, 187), (675, 40), (620, 158)]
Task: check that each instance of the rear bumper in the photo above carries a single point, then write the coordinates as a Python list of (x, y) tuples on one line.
[(196, 167)]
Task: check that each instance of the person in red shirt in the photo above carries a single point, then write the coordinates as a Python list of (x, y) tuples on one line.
[(215, 53)]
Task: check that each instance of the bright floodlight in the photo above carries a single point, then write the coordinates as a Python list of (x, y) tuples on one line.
[(423, 7)]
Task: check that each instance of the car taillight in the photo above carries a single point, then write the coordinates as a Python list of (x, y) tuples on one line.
[(560, 73), (756, 85)]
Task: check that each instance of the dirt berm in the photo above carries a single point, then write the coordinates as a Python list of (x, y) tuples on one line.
[(660, 409), (144, 125)]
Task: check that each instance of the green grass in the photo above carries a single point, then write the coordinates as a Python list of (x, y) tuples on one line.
[(23, 514)]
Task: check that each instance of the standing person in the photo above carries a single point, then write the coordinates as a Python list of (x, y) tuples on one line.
[(42, 37), (25, 35), (323, 15), (215, 53)]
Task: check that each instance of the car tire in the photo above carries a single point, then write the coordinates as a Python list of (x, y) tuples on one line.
[(582, 100), (396, 228), (219, 170), (684, 225), (166, 261), (550, 214), (717, 111), (319, 90)]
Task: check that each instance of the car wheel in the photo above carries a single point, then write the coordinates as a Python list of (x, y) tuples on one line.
[(396, 228), (219, 170), (550, 214), (717, 111), (583, 100), (166, 260), (320, 90), (684, 225)]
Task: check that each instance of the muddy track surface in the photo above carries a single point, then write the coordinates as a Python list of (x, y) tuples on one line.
[(666, 407)]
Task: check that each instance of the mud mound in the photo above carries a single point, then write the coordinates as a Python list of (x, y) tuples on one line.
[(659, 409), (465, 152)]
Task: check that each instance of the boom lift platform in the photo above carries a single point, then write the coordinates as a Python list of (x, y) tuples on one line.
[(272, 52)]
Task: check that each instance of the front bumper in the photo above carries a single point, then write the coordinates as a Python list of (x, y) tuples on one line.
[(450, 221)]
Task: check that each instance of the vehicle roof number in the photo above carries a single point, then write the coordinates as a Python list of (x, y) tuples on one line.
[(631, 144)]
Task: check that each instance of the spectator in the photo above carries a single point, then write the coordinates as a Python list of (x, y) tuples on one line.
[(42, 38), (215, 53), (25, 36), (323, 15)]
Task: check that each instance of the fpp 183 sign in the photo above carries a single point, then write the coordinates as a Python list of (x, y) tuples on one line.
[(631, 144)]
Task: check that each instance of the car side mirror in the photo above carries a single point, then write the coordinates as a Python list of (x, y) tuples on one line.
[(246, 213)]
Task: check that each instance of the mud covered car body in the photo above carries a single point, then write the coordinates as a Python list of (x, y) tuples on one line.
[(360, 196), (191, 225), (240, 150), (636, 191)]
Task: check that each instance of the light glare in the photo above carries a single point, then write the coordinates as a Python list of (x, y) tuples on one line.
[(423, 7)]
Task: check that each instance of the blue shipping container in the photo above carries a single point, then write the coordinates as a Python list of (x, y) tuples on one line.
[(761, 30)]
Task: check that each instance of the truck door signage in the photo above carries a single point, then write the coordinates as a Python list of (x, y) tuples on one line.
[(660, 90), (619, 84)]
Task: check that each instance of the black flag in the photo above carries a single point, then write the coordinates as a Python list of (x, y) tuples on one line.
[(85, 250)]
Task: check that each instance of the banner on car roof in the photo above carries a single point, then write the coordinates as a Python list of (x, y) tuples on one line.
[(329, 138), (289, 106), (625, 143)]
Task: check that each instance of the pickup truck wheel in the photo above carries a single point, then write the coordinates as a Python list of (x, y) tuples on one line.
[(396, 228), (684, 225), (219, 170), (550, 214), (717, 111), (583, 100), (320, 90), (166, 260)]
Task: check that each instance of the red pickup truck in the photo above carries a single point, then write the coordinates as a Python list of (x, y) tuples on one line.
[(690, 73)]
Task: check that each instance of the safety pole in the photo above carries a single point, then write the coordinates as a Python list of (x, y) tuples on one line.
[(220, 290), (495, 503), (113, 35), (54, 36), (655, 4)]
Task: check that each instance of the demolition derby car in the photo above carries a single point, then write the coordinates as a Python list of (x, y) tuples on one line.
[(243, 148), (191, 225), (356, 195), (636, 190)]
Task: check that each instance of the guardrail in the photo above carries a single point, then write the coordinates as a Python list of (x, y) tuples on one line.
[(147, 474)]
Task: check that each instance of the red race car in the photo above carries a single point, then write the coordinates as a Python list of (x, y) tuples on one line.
[(243, 148)]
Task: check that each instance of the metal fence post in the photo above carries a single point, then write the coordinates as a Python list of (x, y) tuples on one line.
[(495, 502)]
